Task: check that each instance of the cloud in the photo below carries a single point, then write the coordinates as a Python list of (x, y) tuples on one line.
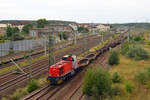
[(77, 10)]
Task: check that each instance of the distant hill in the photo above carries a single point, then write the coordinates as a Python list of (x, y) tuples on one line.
[(133, 25), (34, 21)]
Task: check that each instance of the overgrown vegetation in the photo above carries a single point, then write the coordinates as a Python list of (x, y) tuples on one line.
[(97, 47), (134, 50), (125, 47), (27, 28), (129, 87), (18, 94), (143, 77), (83, 30), (134, 73), (137, 52), (115, 91), (97, 83), (13, 34), (139, 37), (113, 58), (116, 78), (32, 85)]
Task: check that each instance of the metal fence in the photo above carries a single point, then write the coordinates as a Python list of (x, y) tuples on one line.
[(17, 46)]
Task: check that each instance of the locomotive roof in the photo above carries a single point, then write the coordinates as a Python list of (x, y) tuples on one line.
[(59, 64), (68, 55)]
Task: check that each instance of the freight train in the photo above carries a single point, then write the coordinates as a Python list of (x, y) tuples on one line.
[(69, 65)]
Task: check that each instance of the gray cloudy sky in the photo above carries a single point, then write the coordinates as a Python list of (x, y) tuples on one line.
[(98, 11)]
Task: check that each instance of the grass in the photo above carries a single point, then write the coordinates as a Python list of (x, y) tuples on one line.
[(19, 93), (133, 65), (127, 69), (98, 46)]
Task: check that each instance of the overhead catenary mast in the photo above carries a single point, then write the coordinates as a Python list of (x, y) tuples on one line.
[(50, 50)]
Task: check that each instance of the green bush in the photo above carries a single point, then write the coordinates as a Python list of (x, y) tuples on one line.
[(33, 85), (113, 58), (148, 73), (129, 87), (18, 94), (17, 37), (116, 78), (138, 38), (141, 77), (125, 48), (97, 83), (137, 53)]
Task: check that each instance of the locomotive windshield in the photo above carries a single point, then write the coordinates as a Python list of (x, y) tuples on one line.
[(66, 58)]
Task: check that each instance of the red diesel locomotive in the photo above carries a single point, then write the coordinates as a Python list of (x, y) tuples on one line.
[(63, 69)]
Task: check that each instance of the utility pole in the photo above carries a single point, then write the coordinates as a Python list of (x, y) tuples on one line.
[(129, 37), (30, 62), (102, 37), (149, 36), (1, 55), (45, 46), (84, 44), (11, 43), (93, 28), (62, 36), (51, 44), (75, 37)]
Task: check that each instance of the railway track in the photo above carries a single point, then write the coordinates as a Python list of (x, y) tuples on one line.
[(73, 86), (3, 75), (75, 83), (34, 55), (18, 80), (37, 54)]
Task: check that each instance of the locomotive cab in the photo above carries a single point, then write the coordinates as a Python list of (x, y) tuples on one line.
[(63, 69)]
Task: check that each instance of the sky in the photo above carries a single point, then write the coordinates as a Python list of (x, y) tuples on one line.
[(81, 11)]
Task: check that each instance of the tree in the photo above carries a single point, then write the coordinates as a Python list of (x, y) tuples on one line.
[(15, 30), (9, 31), (41, 23), (97, 83), (83, 29), (13, 33), (26, 28), (113, 58)]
